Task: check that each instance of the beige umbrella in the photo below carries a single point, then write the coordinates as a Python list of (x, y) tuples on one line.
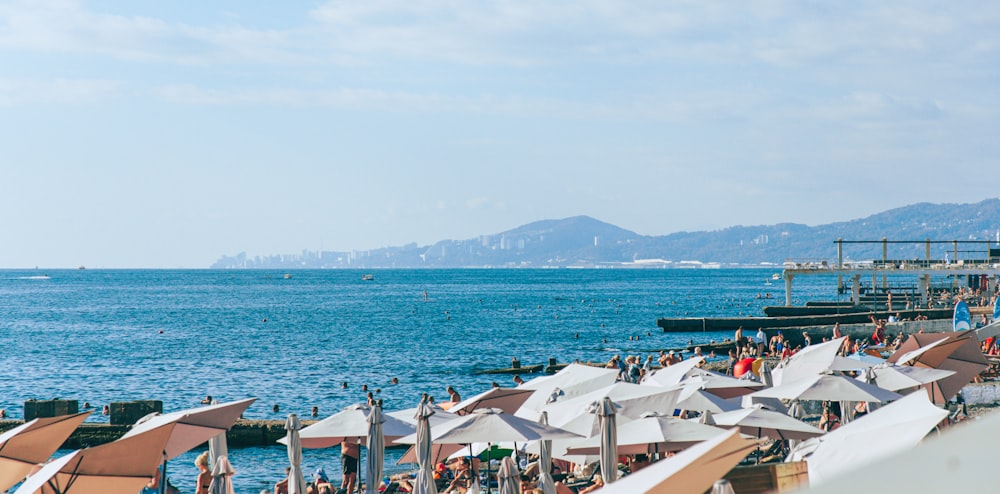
[(828, 387), (958, 351), (194, 426), (651, 434), (897, 377), (759, 422), (119, 467), (31, 443), (350, 424), (506, 399), (692, 471)]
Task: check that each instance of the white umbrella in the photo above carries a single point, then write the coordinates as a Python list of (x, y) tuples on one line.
[(350, 424), (424, 483), (813, 359), (375, 444), (409, 415), (654, 433), (545, 481), (827, 387), (720, 385), (631, 400), (605, 410), (573, 380), (697, 399), (672, 374), (759, 422), (119, 467), (897, 377), (296, 482), (508, 478), (222, 482), (31, 443), (692, 471), (491, 425), (891, 429)]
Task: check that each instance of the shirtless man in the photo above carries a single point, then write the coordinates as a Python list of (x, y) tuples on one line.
[(282, 486), (349, 454)]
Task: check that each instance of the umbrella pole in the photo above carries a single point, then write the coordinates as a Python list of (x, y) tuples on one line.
[(163, 477)]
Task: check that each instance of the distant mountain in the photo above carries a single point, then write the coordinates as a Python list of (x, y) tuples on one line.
[(585, 241)]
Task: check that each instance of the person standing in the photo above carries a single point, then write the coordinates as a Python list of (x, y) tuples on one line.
[(349, 456), (204, 474), (761, 340)]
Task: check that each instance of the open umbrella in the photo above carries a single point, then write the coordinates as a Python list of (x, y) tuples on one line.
[(491, 425), (296, 482), (31, 443), (506, 399), (350, 424), (375, 444), (605, 411), (696, 399), (508, 478), (573, 380), (759, 422), (424, 483), (653, 433), (813, 359), (545, 481), (192, 427), (672, 374), (119, 467), (897, 377), (409, 415), (828, 387), (631, 401), (959, 352), (692, 471), (893, 428)]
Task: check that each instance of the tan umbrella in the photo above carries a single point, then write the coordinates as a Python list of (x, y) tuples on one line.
[(651, 434), (27, 445), (897, 377), (350, 424), (759, 422), (506, 399), (828, 387), (692, 471), (119, 467), (194, 426), (959, 352)]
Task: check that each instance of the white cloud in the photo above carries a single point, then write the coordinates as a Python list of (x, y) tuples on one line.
[(72, 91)]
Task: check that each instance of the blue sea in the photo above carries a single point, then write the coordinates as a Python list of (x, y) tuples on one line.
[(292, 339)]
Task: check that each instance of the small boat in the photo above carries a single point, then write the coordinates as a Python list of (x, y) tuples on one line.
[(288, 276), (776, 276), (367, 277)]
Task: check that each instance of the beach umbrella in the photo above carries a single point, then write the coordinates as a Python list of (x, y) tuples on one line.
[(958, 351), (222, 473), (545, 481), (375, 444), (573, 380), (759, 422), (692, 471), (720, 385), (653, 433), (409, 415), (811, 360), (31, 443), (672, 374), (192, 427), (493, 426), (350, 424), (893, 428), (506, 399), (631, 400), (605, 410), (123, 466), (296, 482), (424, 483), (897, 377), (508, 478), (828, 387), (748, 401)]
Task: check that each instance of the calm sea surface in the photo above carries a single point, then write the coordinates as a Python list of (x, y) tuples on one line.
[(116, 335)]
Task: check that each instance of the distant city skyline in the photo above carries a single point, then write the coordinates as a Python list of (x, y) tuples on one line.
[(164, 135)]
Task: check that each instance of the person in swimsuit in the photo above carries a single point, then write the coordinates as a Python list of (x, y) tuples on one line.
[(204, 474), (349, 454)]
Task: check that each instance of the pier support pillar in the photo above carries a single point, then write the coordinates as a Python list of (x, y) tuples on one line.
[(856, 289), (925, 287), (788, 288)]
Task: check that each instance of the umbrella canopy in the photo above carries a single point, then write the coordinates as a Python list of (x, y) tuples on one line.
[(573, 380), (897, 377), (409, 415), (31, 443), (350, 424), (193, 427), (672, 374), (506, 399), (605, 411), (811, 360), (545, 481), (759, 422), (893, 428), (631, 400), (828, 387), (491, 425), (720, 385), (296, 482), (697, 399), (119, 467), (375, 444), (424, 483), (653, 433), (222, 482), (508, 478), (959, 352), (692, 471)]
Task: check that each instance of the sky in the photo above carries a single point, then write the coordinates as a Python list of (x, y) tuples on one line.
[(167, 134)]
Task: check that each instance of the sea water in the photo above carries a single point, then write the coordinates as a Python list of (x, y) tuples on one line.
[(292, 339)]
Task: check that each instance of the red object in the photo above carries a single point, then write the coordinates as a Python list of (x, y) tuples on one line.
[(742, 367)]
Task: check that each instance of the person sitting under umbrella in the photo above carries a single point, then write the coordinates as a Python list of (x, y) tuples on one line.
[(464, 478)]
